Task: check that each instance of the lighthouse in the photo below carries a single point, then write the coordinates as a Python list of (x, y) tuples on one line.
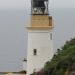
[(40, 40)]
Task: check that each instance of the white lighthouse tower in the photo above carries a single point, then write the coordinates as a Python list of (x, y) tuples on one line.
[(40, 43)]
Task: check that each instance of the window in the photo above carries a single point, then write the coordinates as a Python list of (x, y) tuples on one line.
[(39, 6), (35, 52), (51, 36)]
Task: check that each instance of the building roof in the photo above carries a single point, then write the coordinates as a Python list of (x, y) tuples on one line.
[(22, 72), (25, 59), (10, 73)]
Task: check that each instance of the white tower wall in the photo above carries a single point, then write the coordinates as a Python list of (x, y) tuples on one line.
[(41, 40)]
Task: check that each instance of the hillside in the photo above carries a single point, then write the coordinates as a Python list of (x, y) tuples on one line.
[(63, 62)]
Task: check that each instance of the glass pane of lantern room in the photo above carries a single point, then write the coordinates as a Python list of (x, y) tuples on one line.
[(39, 6)]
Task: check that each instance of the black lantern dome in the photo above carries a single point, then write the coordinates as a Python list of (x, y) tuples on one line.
[(39, 6)]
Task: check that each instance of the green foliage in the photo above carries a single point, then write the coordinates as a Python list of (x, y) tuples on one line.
[(63, 61)]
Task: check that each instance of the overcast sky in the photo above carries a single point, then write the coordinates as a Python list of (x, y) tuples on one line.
[(21, 4), (14, 16)]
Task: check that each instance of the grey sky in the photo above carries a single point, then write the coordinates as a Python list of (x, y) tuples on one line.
[(12, 4), (64, 3), (21, 4), (14, 16)]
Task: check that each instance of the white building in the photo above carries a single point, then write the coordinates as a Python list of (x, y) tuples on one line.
[(40, 42)]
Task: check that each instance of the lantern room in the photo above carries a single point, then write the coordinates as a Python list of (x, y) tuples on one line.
[(39, 7)]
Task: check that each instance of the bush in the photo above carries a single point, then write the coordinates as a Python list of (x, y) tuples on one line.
[(63, 61)]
